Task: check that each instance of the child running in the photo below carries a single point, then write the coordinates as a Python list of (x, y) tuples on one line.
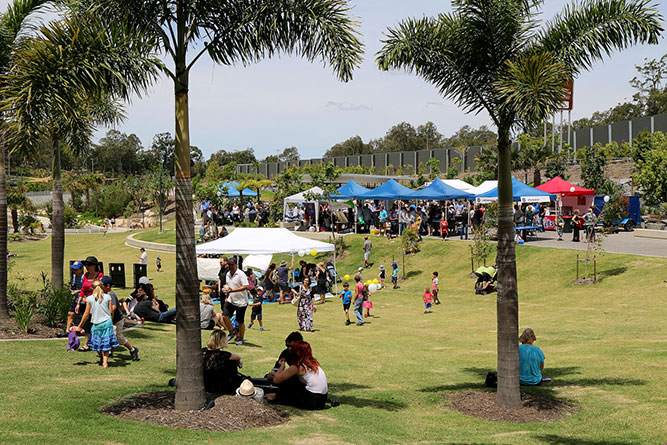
[(394, 275), (382, 276), (346, 295), (256, 306), (435, 288), (428, 299), (99, 308)]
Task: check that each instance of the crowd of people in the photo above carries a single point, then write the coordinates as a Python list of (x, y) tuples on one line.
[(215, 219)]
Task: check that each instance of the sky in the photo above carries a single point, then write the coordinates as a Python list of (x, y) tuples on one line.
[(287, 101)]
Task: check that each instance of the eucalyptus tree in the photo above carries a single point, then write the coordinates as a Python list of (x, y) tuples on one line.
[(64, 81), (493, 56), (230, 32), (14, 24)]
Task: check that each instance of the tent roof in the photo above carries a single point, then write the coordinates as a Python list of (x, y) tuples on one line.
[(484, 187), (350, 190), (520, 191), (389, 190), (262, 241), (562, 187), (459, 184), (301, 197), (441, 191), (232, 190)]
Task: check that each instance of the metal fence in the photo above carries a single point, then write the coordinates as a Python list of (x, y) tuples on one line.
[(409, 162)]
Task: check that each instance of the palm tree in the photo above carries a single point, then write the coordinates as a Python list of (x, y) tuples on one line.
[(62, 83), (13, 23), (230, 32), (491, 55)]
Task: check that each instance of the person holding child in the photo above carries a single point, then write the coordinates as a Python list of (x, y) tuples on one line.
[(99, 308)]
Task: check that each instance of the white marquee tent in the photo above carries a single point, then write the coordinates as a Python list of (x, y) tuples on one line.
[(483, 187), (301, 198)]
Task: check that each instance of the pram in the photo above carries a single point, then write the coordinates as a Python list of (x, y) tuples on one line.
[(332, 274), (486, 280)]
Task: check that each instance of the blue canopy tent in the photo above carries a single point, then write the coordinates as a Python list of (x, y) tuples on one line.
[(390, 190), (520, 193), (350, 191), (230, 190), (440, 191)]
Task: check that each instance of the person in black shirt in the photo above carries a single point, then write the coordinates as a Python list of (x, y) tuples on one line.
[(221, 375), (222, 278)]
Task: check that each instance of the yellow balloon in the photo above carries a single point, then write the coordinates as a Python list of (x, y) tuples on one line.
[(376, 281), (313, 252), (347, 277)]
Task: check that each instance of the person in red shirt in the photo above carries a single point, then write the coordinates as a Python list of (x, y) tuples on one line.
[(359, 300), (444, 228), (428, 300)]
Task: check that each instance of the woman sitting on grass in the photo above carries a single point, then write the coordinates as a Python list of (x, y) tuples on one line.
[(531, 359), (221, 375), (99, 308), (208, 318), (311, 390)]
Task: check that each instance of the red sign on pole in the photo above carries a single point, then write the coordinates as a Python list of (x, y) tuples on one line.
[(568, 100)]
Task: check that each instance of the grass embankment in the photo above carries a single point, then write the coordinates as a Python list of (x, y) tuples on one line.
[(605, 348)]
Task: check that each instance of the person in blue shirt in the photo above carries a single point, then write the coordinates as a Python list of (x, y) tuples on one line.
[(346, 295), (383, 220), (531, 359)]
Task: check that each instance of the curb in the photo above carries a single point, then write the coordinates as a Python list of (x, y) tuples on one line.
[(130, 241)]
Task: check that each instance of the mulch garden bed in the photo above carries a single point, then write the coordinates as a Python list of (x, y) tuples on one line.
[(535, 408), (36, 330), (230, 413)]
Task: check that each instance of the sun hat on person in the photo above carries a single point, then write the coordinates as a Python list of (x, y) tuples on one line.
[(91, 260), (247, 389), (144, 280), (76, 265), (381, 267), (360, 269), (283, 263)]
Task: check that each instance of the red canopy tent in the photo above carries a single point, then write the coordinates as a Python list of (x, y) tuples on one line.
[(561, 187)]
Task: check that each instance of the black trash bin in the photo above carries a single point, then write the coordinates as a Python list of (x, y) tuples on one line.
[(140, 270), (117, 274)]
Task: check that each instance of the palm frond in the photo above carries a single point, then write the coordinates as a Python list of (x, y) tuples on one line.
[(534, 86), (589, 30)]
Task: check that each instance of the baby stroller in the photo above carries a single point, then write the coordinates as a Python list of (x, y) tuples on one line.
[(332, 274), (486, 280)]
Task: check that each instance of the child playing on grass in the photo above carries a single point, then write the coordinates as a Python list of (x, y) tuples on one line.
[(435, 288), (158, 263), (394, 275), (382, 276), (256, 306), (346, 295), (428, 299), (368, 304), (444, 228)]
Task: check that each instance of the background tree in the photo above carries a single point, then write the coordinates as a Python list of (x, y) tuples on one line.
[(118, 152), (222, 157), (492, 56), (231, 32), (592, 167), (352, 146), (650, 171)]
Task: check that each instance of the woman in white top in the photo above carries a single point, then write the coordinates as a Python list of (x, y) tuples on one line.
[(99, 308), (312, 392)]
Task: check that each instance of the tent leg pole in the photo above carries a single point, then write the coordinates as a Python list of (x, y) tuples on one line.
[(335, 270)]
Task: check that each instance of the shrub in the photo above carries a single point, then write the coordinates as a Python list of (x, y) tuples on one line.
[(25, 307), (55, 306), (111, 200)]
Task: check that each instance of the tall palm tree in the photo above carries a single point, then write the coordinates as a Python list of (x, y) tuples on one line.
[(62, 83), (230, 32), (13, 23), (492, 55)]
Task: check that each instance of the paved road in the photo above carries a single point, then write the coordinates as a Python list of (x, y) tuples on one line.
[(622, 242)]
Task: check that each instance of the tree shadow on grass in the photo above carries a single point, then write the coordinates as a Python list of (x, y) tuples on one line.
[(563, 440), (611, 272), (345, 386), (413, 273), (362, 402)]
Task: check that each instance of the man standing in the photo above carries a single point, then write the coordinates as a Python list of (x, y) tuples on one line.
[(237, 299), (282, 272), (143, 257), (367, 252), (359, 300)]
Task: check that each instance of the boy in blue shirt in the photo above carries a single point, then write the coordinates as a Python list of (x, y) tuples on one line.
[(531, 359), (346, 295)]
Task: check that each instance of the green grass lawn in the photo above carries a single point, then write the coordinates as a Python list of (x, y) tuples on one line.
[(605, 348), (153, 235)]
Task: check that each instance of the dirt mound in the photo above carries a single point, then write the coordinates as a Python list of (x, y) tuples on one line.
[(230, 413), (535, 408)]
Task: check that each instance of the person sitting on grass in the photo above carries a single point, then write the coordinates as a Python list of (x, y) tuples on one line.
[(312, 390), (149, 309), (531, 359), (208, 318)]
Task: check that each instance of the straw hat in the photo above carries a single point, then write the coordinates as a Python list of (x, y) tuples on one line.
[(247, 389)]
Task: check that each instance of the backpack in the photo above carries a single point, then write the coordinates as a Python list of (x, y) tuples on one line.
[(491, 380)]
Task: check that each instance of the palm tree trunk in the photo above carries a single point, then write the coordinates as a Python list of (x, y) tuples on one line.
[(508, 302), (190, 393), (57, 223), (4, 308)]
